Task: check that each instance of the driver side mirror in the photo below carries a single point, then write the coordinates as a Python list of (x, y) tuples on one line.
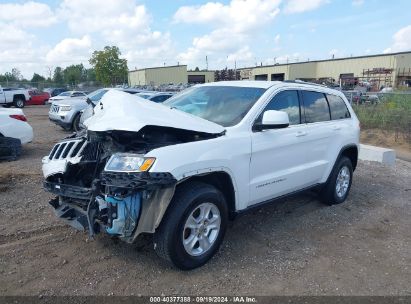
[(273, 120)]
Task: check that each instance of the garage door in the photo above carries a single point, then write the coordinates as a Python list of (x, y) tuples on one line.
[(261, 77), (196, 78), (277, 77)]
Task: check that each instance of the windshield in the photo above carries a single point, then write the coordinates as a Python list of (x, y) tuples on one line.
[(95, 96), (223, 105), (65, 94)]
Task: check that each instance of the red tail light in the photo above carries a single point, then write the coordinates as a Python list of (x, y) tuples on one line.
[(19, 117)]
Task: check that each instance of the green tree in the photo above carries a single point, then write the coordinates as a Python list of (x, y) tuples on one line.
[(74, 74), (9, 76), (58, 76), (110, 69), (37, 78), (90, 74)]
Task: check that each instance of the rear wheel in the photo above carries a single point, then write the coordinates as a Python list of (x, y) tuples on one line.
[(193, 227), (339, 183), (19, 103)]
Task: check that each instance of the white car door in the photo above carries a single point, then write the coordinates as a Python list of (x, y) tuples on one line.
[(320, 135), (278, 159)]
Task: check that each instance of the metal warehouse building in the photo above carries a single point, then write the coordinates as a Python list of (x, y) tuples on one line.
[(168, 74), (388, 70), (391, 70)]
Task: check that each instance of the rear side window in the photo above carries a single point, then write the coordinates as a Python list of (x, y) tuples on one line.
[(286, 101), (315, 107), (338, 107)]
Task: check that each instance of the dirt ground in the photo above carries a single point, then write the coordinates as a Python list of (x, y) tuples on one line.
[(388, 139), (294, 247)]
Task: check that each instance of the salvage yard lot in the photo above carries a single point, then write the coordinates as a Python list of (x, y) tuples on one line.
[(295, 247)]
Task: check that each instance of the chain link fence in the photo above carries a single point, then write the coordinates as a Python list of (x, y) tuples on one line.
[(392, 112)]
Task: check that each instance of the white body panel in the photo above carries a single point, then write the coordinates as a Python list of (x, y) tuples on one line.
[(10, 127), (7, 96), (268, 164)]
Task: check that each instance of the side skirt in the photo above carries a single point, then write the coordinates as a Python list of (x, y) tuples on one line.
[(273, 201)]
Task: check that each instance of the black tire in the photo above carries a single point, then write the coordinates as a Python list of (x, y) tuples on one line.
[(328, 193), (10, 148), (168, 238), (76, 123), (7, 105), (19, 103)]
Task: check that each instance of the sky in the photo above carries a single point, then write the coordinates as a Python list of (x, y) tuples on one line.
[(37, 36)]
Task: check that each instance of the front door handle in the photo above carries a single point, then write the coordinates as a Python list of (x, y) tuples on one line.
[(300, 133), (336, 128)]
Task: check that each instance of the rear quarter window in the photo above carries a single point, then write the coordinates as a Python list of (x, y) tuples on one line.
[(338, 107)]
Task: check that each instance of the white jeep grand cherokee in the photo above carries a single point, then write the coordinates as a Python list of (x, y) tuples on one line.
[(182, 169)]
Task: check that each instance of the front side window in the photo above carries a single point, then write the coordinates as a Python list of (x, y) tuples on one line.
[(338, 107), (224, 105), (315, 107), (286, 101)]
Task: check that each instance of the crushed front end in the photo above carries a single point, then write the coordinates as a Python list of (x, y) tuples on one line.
[(102, 182)]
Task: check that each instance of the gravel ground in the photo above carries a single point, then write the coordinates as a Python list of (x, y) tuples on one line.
[(295, 247)]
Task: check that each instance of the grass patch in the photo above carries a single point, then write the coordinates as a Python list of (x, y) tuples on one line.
[(393, 113)]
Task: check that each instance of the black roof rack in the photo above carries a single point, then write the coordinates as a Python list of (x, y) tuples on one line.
[(305, 82)]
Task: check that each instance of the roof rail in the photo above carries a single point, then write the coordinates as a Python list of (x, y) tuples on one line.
[(305, 82)]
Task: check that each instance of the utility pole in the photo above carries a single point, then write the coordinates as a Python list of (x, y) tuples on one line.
[(206, 63), (49, 70)]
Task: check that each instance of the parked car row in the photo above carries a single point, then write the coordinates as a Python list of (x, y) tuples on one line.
[(68, 94), (358, 97), (71, 112)]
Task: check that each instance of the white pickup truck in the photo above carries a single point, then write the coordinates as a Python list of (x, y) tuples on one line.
[(13, 97)]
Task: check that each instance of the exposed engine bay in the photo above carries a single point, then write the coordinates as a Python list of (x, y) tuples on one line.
[(123, 203)]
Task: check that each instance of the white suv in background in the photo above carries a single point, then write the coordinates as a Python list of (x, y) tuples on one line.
[(182, 169)]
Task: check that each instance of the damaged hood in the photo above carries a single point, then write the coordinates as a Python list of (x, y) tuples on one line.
[(124, 112)]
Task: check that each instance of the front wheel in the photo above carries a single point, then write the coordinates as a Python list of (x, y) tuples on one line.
[(76, 123), (193, 227), (338, 185)]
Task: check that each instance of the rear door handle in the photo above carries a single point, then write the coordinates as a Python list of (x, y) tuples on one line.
[(336, 128), (300, 133)]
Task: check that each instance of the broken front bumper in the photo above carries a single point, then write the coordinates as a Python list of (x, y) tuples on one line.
[(119, 203)]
